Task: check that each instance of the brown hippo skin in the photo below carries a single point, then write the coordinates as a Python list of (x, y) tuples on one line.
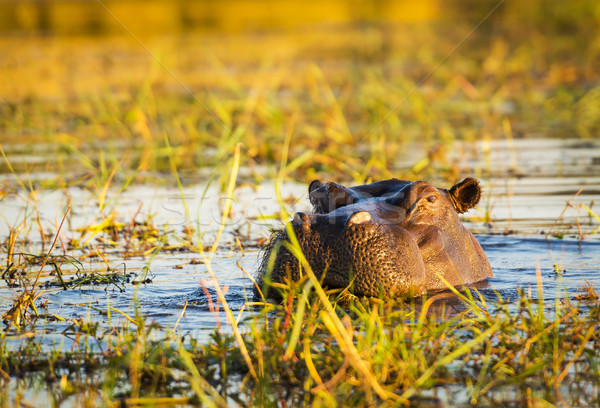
[(389, 238)]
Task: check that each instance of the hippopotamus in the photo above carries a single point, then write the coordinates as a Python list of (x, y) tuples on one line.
[(388, 238)]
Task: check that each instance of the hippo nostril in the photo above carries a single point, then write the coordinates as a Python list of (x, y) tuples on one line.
[(362, 217), (300, 218), (297, 219)]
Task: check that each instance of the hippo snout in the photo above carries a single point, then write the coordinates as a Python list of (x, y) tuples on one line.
[(352, 250)]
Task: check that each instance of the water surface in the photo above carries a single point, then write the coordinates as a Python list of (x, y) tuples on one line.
[(528, 222)]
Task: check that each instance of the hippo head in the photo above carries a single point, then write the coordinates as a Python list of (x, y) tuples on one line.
[(387, 238)]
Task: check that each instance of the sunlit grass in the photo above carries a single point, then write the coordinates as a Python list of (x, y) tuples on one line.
[(94, 103), (493, 351)]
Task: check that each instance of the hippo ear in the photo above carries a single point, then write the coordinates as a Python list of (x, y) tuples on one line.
[(328, 197), (314, 185), (465, 195)]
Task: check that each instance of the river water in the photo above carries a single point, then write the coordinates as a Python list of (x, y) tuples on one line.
[(533, 219)]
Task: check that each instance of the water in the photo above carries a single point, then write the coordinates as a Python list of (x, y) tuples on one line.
[(527, 186), (564, 265)]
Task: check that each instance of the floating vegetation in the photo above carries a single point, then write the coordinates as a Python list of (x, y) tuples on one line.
[(20, 274)]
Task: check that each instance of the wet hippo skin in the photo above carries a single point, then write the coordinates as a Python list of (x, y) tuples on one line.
[(388, 238)]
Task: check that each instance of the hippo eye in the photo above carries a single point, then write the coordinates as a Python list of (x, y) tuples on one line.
[(432, 198)]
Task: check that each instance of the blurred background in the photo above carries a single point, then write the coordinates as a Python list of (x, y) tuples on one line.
[(364, 89)]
